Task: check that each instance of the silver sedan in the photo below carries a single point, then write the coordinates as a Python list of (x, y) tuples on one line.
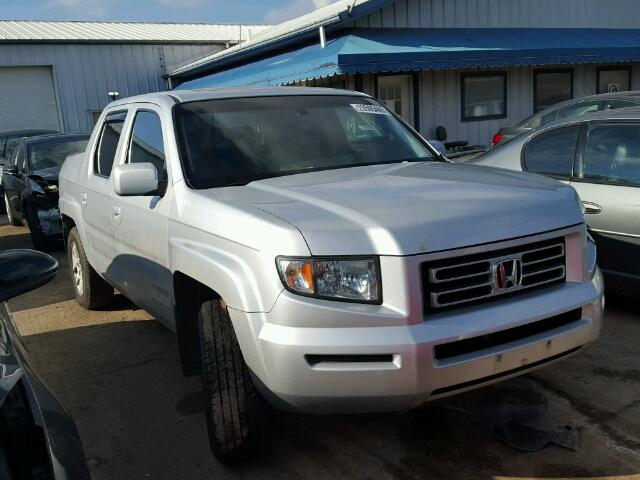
[(599, 155)]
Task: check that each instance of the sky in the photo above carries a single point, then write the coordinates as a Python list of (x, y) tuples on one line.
[(200, 11)]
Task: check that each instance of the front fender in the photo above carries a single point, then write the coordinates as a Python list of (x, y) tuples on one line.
[(237, 273)]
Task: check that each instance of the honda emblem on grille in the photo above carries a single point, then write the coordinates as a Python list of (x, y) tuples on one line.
[(507, 274)]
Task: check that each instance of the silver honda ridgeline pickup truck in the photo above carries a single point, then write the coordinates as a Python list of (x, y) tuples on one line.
[(311, 250)]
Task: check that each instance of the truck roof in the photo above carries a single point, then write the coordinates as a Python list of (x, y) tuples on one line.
[(179, 96)]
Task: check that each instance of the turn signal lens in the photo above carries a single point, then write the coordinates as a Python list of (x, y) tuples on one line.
[(297, 274)]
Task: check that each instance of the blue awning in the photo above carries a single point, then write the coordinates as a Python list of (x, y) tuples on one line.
[(400, 50)]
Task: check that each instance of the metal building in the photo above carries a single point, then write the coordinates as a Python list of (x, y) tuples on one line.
[(56, 75), (471, 66)]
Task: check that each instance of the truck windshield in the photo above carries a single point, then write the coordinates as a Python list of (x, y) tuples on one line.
[(235, 141)]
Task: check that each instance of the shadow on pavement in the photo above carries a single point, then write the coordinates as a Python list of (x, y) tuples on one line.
[(138, 416)]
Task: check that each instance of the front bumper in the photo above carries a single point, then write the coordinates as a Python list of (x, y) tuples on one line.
[(349, 369)]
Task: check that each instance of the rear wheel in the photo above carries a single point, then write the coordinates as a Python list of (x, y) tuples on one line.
[(232, 401), (92, 292), (10, 215)]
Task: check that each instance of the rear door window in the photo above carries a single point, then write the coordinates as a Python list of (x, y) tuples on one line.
[(542, 120), (548, 118), (612, 154), (613, 104), (552, 153), (578, 109), (108, 143)]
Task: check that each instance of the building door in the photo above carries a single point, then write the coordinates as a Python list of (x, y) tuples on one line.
[(396, 92), (28, 99)]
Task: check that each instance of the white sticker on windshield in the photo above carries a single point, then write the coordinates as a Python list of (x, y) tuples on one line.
[(366, 108)]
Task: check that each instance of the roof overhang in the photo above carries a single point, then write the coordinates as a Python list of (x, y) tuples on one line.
[(283, 37), (398, 50)]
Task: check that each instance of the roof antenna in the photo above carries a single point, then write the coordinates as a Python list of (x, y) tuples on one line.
[(350, 8)]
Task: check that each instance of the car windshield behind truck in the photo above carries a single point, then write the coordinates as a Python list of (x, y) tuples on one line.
[(235, 141), (53, 153)]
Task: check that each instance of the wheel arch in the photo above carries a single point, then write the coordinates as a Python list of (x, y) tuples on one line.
[(189, 294), (67, 225)]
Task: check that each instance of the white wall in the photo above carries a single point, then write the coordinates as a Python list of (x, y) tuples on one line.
[(84, 73)]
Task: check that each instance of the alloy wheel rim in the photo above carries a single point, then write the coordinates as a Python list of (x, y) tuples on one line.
[(76, 269)]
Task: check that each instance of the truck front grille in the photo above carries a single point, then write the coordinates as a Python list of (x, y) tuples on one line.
[(481, 277)]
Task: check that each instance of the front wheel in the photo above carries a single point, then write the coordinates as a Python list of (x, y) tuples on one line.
[(232, 401), (92, 292)]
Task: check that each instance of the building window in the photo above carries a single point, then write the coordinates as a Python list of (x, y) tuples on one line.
[(94, 116), (551, 87), (613, 79), (396, 92), (484, 96)]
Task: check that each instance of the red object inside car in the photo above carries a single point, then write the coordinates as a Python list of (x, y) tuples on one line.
[(496, 139)]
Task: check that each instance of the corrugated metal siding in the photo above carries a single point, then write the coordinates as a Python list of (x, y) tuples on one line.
[(440, 100), (83, 74), (505, 13), (440, 93), (29, 30)]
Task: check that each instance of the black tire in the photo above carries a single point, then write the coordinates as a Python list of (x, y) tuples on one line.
[(11, 216), (92, 292), (38, 238), (233, 404)]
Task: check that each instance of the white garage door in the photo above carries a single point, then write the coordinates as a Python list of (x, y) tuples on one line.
[(27, 99)]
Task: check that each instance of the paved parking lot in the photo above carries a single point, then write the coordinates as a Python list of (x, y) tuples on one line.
[(117, 371)]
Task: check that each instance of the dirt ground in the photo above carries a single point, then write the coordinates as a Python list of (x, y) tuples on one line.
[(118, 373)]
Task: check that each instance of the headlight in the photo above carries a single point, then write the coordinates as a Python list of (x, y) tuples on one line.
[(349, 279)]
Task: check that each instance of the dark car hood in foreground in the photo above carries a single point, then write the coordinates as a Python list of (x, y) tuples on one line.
[(63, 442), (406, 209)]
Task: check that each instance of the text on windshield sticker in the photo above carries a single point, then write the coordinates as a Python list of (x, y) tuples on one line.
[(365, 108)]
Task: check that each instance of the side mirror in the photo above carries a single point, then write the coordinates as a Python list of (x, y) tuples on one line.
[(135, 180), (24, 270), (10, 170)]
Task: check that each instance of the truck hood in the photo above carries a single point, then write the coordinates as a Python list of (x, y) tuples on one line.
[(411, 208)]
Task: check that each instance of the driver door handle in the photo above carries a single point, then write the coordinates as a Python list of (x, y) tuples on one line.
[(591, 208)]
